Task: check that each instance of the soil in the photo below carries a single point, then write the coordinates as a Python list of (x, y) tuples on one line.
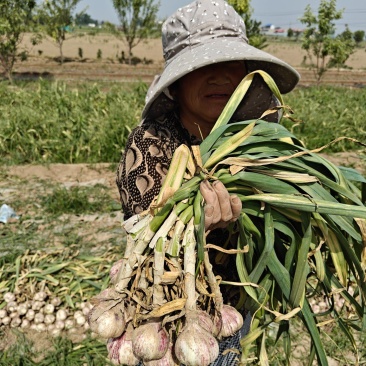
[(82, 63)]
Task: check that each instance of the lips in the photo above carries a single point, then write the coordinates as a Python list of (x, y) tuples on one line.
[(218, 95)]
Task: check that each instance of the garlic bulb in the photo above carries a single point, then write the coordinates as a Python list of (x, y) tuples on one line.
[(61, 314), (168, 359), (80, 320), (49, 319), (108, 323), (59, 324), (150, 341), (6, 320), (204, 320), (25, 323), (40, 296), (11, 306), (30, 314), (113, 273), (9, 296), (195, 346), (41, 327), (69, 323), (49, 309), (22, 308), (15, 322), (232, 321), (56, 301), (39, 318), (217, 325), (120, 351), (38, 305)]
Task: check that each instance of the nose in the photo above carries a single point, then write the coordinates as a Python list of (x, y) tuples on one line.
[(218, 75)]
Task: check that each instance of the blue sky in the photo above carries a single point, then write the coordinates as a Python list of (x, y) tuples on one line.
[(282, 13)]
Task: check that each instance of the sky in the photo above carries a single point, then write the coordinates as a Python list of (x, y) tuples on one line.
[(281, 13)]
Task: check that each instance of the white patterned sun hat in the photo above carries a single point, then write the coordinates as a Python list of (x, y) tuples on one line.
[(206, 32)]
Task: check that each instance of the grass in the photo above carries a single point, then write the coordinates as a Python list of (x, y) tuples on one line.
[(338, 347), (48, 122), (53, 122), (62, 352), (76, 200), (326, 113)]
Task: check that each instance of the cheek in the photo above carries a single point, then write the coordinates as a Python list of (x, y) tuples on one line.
[(188, 97)]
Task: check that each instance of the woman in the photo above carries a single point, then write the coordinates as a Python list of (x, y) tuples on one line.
[(207, 55)]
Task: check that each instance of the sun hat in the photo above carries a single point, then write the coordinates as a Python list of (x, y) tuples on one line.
[(202, 33)]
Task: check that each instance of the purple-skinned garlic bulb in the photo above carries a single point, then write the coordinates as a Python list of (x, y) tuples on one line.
[(232, 321), (168, 359), (120, 351), (195, 346), (150, 341)]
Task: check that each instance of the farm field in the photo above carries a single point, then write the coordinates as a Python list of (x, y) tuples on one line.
[(64, 191), (108, 68)]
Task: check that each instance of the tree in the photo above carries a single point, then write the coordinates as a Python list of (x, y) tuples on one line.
[(56, 19), (84, 19), (342, 47), (319, 41), (253, 27), (359, 36), (137, 18), (15, 19)]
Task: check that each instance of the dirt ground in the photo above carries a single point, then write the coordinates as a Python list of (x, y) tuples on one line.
[(41, 62), (152, 50), (85, 174)]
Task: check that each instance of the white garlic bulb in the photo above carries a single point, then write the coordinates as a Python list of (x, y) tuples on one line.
[(108, 323)]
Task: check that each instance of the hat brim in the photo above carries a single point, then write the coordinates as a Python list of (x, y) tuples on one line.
[(221, 50)]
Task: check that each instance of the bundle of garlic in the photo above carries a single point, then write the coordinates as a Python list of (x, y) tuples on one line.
[(302, 223)]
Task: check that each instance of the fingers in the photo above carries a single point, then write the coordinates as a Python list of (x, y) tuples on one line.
[(212, 207), (236, 206), (223, 197), (220, 208), (209, 211)]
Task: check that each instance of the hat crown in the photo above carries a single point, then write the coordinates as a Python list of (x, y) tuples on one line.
[(198, 23)]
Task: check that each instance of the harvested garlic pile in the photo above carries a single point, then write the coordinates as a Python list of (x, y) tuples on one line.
[(43, 313)]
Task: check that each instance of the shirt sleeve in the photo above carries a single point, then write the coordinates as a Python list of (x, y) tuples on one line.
[(144, 165)]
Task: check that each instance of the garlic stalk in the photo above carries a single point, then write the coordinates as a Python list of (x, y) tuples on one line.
[(194, 346)]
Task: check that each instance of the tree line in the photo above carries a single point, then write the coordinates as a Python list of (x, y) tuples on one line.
[(138, 18)]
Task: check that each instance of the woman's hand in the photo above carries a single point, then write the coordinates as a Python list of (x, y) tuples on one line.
[(221, 208)]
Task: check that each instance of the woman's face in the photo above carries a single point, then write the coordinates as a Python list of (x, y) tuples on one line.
[(203, 93)]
